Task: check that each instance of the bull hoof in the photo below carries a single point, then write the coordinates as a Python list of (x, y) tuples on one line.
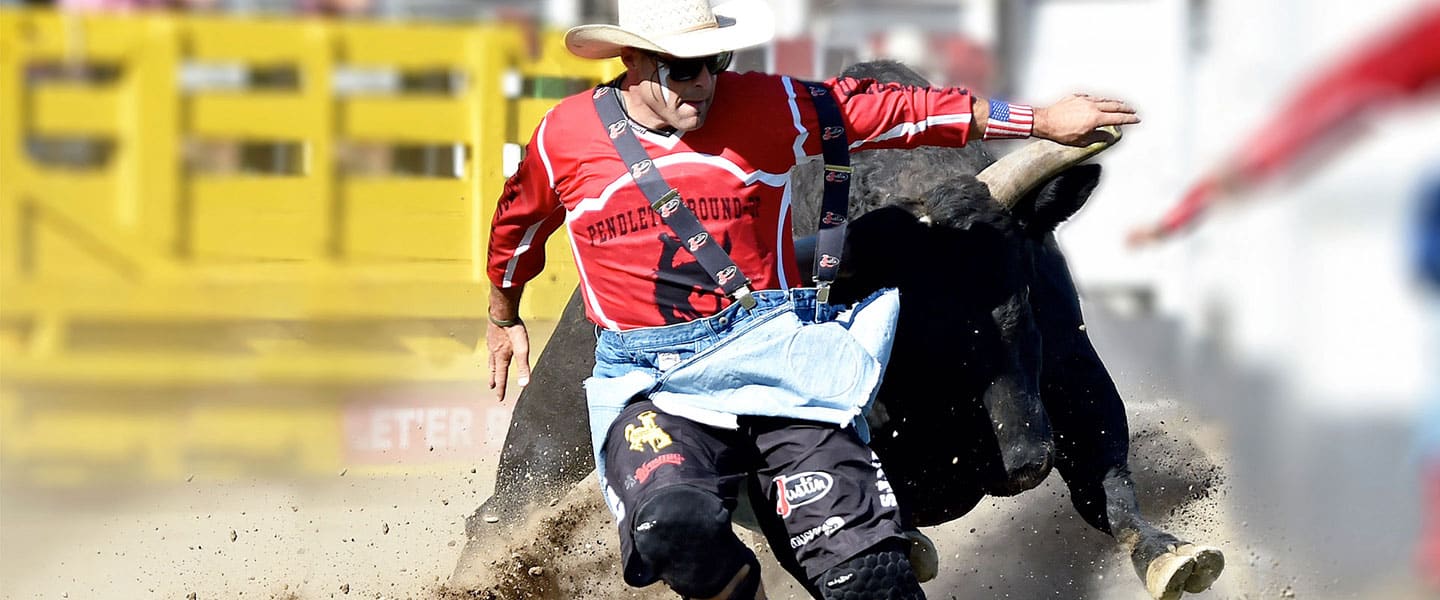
[(924, 559), (1209, 562), (1187, 568)]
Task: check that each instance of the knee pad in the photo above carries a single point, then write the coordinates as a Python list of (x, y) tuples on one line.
[(882, 572), (683, 534)]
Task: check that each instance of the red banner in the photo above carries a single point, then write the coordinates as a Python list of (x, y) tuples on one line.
[(424, 425)]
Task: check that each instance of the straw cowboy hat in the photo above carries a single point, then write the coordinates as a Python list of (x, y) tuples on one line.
[(682, 28)]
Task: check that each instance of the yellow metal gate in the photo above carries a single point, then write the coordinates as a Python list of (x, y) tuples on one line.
[(255, 245)]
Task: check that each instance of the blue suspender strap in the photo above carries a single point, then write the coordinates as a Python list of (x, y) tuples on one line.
[(666, 200), (834, 208)]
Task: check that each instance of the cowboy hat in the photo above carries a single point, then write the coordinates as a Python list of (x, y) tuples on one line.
[(683, 28)]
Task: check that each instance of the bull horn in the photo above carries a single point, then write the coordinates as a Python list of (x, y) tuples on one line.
[(1015, 174)]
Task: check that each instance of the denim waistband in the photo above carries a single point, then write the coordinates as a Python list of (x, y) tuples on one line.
[(718, 325)]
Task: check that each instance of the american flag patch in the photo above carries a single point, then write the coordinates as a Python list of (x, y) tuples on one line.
[(1009, 121)]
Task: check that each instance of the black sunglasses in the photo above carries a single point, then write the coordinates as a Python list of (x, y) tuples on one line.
[(686, 69)]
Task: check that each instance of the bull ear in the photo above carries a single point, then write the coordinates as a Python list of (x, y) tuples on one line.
[(1057, 200), (1014, 175)]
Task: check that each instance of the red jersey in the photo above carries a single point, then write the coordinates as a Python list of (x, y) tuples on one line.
[(733, 172)]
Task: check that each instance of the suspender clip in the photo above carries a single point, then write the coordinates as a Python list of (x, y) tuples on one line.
[(822, 292), (745, 298), (660, 205)]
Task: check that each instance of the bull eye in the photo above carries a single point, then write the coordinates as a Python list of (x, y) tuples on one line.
[(925, 219)]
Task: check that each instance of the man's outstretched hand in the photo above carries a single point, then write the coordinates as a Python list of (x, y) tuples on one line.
[(1073, 120)]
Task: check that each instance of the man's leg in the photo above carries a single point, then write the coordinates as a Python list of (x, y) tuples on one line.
[(837, 510), (672, 484), (683, 534), (882, 571)]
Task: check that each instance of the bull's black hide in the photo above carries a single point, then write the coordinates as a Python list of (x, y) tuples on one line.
[(992, 379)]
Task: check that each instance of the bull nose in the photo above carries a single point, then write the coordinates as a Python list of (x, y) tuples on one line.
[(1026, 467)]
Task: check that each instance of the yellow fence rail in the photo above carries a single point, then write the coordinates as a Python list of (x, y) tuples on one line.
[(245, 242)]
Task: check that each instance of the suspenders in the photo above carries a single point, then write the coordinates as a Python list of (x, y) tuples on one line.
[(835, 205), (666, 200)]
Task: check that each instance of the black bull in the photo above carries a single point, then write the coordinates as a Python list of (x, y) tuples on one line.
[(993, 379)]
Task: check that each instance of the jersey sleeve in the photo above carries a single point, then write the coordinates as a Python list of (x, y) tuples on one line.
[(891, 115), (528, 212)]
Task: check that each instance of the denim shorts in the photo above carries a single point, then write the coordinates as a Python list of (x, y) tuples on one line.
[(790, 356)]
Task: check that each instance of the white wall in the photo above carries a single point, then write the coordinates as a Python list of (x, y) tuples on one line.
[(1306, 278), (1127, 49)]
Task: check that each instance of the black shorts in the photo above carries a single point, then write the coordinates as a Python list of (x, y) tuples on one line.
[(836, 501)]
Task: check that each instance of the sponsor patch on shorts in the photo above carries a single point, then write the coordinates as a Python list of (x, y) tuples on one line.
[(828, 528), (794, 491), (646, 433), (644, 471)]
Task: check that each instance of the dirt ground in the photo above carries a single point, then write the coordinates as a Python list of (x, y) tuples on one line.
[(400, 536), (380, 537)]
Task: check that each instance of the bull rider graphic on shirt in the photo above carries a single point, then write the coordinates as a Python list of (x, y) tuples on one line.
[(680, 282)]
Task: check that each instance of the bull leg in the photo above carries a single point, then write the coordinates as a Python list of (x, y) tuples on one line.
[(1168, 565), (1093, 442), (547, 448), (1092, 456)]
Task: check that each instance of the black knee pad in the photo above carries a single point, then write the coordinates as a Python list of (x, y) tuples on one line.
[(683, 534), (880, 573)]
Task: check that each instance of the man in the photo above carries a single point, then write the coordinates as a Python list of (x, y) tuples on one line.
[(725, 142)]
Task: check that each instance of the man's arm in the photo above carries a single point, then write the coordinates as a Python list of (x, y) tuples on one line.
[(892, 116), (528, 211)]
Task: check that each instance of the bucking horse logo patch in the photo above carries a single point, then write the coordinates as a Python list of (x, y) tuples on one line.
[(647, 433)]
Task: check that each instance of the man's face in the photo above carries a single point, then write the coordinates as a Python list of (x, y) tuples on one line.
[(677, 92)]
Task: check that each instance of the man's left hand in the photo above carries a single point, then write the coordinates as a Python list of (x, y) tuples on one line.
[(1072, 120)]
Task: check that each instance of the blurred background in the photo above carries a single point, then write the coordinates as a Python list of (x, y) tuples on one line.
[(242, 249)]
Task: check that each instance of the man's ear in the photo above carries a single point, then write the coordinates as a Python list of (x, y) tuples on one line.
[(631, 58)]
